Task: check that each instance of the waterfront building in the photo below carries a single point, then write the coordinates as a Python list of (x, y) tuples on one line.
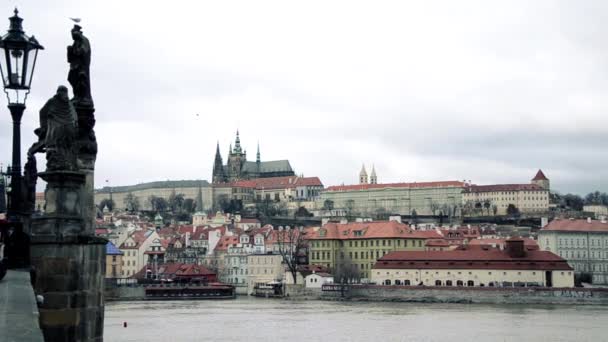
[(113, 261), (426, 198), (317, 280), (495, 199), (475, 266), (338, 245), (584, 243), (238, 168), (263, 269), (133, 249)]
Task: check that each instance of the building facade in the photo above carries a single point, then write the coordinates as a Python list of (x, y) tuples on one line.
[(113, 261), (237, 166), (513, 266), (264, 269), (584, 243), (495, 199), (361, 244), (427, 198)]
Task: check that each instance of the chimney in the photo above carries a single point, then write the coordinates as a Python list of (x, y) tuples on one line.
[(324, 221), (396, 218), (588, 219), (187, 239), (343, 221), (515, 247)]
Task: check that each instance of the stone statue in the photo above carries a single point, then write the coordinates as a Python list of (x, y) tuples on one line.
[(58, 132), (30, 176), (79, 57)]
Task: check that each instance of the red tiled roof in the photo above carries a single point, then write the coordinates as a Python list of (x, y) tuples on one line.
[(226, 242), (437, 243), (503, 187), (355, 187), (270, 183), (539, 176), (475, 258), (576, 226), (368, 230)]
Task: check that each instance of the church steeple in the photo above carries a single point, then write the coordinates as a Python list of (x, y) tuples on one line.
[(373, 179), (218, 167), (363, 175), (237, 143)]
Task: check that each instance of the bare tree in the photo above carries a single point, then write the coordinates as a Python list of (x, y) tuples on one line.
[(346, 272), (291, 245)]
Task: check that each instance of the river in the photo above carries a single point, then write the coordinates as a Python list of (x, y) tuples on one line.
[(252, 319)]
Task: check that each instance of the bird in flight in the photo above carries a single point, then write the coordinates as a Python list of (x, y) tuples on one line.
[(76, 20)]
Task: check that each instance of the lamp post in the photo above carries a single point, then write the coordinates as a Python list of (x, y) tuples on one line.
[(17, 65)]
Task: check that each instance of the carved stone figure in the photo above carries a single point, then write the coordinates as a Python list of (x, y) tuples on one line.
[(61, 128), (30, 176), (79, 57)]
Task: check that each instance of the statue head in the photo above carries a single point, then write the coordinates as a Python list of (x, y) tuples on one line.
[(76, 32), (62, 93)]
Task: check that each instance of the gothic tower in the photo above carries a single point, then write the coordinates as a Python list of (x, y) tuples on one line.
[(373, 179), (363, 175), (218, 168), (236, 160)]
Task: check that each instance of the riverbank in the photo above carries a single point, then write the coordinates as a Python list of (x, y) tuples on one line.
[(470, 295)]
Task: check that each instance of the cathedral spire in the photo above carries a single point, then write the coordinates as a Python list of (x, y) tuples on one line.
[(218, 166), (237, 143), (257, 156)]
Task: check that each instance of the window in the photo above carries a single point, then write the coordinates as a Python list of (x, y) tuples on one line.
[(387, 282)]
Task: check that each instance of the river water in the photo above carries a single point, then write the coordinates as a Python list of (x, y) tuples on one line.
[(252, 319)]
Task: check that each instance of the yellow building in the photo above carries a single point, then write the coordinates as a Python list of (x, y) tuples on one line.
[(360, 244), (495, 199), (480, 266), (113, 261)]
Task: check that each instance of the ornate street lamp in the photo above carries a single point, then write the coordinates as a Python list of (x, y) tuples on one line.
[(17, 68)]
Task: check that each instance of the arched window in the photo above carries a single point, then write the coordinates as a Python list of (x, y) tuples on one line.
[(397, 282), (387, 282), (448, 283), (459, 283), (437, 282), (470, 283), (406, 282)]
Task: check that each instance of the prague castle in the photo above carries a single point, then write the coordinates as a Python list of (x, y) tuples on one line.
[(238, 168)]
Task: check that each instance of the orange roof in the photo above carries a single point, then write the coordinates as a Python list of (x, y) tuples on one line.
[(445, 184), (472, 259), (540, 176), (576, 226), (369, 230)]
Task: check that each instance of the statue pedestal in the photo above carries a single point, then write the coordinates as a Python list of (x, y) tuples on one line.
[(68, 261)]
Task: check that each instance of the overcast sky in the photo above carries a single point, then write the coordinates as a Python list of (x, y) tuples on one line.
[(424, 90)]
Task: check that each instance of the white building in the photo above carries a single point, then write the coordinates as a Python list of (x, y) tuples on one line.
[(583, 243), (316, 280), (134, 248)]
